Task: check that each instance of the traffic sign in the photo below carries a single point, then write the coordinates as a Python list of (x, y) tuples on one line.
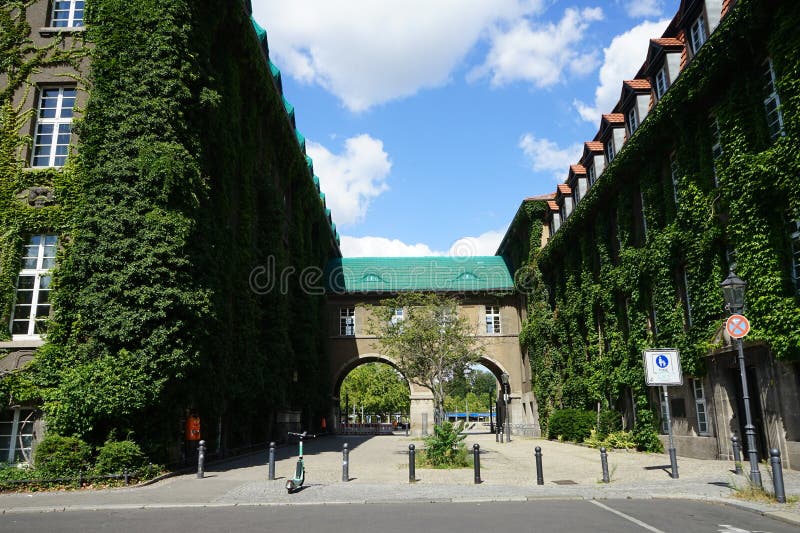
[(662, 367), (737, 326)]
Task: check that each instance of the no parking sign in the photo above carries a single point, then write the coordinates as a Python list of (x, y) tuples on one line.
[(662, 367)]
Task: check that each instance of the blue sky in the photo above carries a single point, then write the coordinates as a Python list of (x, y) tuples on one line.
[(429, 121)]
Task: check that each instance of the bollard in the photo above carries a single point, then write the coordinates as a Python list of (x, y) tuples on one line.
[(126, 476), (502, 436), (673, 461), (604, 464), (412, 475), (271, 461), (539, 473), (408, 424), (496, 434), (345, 463), (737, 455), (777, 475), (201, 459), (476, 462)]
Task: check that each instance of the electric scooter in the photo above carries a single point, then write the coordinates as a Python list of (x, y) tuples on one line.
[(300, 471)]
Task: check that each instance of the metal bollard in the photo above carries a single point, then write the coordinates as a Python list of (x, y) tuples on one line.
[(673, 461), (604, 465), (737, 455), (539, 473), (345, 463), (777, 475), (126, 476), (412, 474), (271, 475), (201, 459), (476, 462)]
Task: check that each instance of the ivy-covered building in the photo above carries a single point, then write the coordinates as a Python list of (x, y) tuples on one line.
[(695, 171), (153, 188)]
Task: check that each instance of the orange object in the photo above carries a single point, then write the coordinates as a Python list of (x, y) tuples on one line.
[(324, 423), (193, 428)]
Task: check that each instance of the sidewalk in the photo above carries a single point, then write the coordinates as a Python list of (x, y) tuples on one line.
[(379, 474)]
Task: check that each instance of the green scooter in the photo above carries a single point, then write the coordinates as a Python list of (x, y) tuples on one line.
[(300, 471)]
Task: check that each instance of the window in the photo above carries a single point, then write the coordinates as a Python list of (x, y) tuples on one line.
[(398, 314), (674, 171), (576, 194), (661, 83), (697, 34), (772, 102), (53, 126), (795, 236), (562, 210), (632, 120), (347, 321), (16, 435), (716, 147), (67, 14), (610, 150), (32, 305), (591, 174), (492, 319), (686, 301), (700, 406)]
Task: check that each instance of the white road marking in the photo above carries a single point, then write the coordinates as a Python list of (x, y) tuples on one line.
[(629, 518)]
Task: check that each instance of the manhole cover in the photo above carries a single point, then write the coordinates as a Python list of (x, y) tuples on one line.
[(565, 482)]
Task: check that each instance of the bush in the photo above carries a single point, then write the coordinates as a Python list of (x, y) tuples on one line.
[(610, 422), (571, 424), (644, 433), (58, 456), (446, 446), (114, 457)]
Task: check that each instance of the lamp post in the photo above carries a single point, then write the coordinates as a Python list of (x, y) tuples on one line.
[(492, 397), (506, 390), (733, 291)]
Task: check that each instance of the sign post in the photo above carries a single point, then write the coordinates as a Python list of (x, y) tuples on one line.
[(663, 368)]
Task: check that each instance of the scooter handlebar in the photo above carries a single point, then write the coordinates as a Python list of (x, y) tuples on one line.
[(303, 434)]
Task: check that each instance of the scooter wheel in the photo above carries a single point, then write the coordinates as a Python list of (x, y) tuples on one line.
[(290, 486)]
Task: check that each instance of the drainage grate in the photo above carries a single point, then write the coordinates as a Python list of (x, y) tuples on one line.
[(565, 482)]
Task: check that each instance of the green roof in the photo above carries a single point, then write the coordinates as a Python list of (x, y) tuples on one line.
[(398, 274)]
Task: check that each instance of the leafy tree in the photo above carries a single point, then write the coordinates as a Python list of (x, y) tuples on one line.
[(377, 387), (430, 344)]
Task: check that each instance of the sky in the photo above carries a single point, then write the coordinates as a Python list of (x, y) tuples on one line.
[(429, 121)]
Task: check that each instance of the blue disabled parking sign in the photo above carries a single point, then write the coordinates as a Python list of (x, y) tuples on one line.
[(663, 367)]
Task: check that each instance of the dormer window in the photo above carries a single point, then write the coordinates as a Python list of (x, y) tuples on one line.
[(661, 82), (610, 153), (576, 196), (632, 121), (772, 102), (697, 34), (590, 172)]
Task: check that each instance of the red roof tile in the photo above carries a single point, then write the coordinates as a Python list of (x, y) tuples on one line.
[(564, 189), (552, 205), (638, 84), (577, 169), (549, 196), (614, 118), (594, 146), (667, 42)]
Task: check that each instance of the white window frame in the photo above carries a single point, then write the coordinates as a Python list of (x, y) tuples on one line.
[(492, 319), (795, 244), (610, 153), (37, 262), (700, 406), (591, 175), (772, 103), (20, 433), (633, 120), (697, 34), (398, 315), (661, 82), (576, 194), (347, 321), (54, 144), (67, 14), (716, 146)]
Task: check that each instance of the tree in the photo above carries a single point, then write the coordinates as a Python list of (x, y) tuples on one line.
[(377, 387), (429, 344)]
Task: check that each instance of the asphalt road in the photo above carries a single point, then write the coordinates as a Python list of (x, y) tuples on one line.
[(618, 516)]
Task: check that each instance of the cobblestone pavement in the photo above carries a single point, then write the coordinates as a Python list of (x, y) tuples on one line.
[(379, 473)]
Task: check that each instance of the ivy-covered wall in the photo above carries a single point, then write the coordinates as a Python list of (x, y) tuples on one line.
[(187, 176), (610, 282)]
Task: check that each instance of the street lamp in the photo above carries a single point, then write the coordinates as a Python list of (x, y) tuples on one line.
[(506, 390), (733, 291)]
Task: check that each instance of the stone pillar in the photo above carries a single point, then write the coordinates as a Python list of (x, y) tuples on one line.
[(421, 402)]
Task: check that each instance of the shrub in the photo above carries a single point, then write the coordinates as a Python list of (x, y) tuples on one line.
[(58, 456), (114, 457), (446, 446), (610, 422), (571, 424), (644, 433)]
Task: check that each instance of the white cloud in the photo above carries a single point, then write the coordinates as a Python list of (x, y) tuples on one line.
[(367, 52), (622, 59), (545, 155), (643, 8), (540, 54), (484, 244), (351, 180)]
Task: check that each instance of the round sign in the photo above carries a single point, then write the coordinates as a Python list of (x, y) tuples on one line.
[(737, 326), (662, 361)]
